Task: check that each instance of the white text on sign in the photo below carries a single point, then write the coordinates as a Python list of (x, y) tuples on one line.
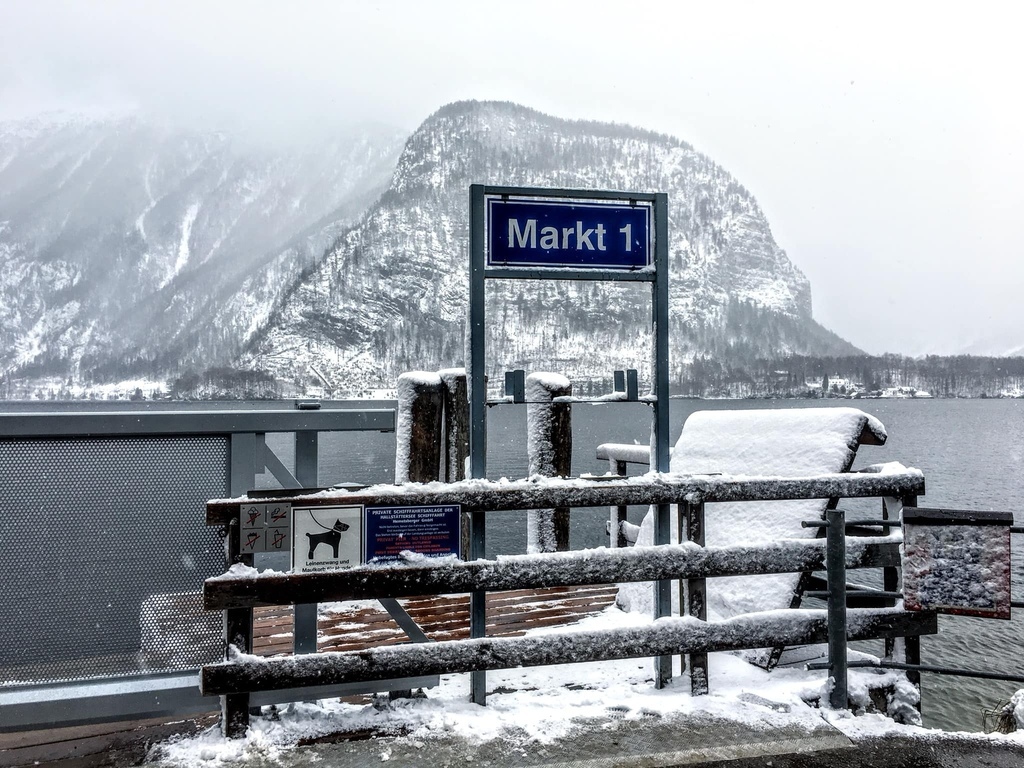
[(569, 238)]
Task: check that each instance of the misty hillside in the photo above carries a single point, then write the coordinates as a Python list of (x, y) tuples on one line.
[(132, 249), (391, 295)]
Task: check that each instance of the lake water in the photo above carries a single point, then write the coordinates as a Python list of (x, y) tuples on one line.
[(971, 452)]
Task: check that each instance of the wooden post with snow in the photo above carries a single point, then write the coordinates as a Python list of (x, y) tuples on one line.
[(456, 423), (455, 392), (418, 437), (549, 447)]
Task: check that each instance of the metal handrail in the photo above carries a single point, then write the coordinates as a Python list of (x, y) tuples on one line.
[(189, 422)]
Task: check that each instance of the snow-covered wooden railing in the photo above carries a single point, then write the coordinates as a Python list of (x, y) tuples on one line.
[(241, 588), (245, 587), (652, 488), (245, 673)]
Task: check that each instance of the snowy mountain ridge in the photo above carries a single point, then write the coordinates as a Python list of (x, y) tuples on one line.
[(130, 248), (392, 294)]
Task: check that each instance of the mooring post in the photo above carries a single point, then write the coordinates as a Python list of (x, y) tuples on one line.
[(835, 563), (418, 442), (418, 437), (549, 447), (455, 393)]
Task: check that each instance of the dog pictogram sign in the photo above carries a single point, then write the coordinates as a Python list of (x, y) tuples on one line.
[(326, 538)]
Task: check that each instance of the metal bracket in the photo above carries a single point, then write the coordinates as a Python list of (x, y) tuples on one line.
[(404, 620)]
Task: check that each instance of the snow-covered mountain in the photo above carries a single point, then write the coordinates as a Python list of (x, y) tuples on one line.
[(131, 249), (1004, 343), (391, 295)]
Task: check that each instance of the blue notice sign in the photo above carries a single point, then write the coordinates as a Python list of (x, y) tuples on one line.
[(568, 233), (430, 531)]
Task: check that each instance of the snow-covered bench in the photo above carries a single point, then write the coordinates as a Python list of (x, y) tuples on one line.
[(791, 442)]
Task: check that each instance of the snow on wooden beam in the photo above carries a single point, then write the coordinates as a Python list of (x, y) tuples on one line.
[(652, 488), (665, 636), (246, 588)]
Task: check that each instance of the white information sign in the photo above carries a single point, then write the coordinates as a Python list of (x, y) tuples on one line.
[(326, 538)]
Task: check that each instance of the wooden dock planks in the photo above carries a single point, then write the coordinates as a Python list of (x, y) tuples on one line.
[(359, 626)]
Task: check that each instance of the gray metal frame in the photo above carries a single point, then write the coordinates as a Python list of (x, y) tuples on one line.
[(838, 663), (24, 707), (211, 422), (478, 274)]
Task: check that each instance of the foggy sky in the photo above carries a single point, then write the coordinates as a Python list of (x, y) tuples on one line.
[(882, 140)]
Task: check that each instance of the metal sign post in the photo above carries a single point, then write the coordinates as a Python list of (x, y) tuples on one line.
[(520, 233)]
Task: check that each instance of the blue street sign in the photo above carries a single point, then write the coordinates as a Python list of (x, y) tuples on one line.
[(432, 531), (568, 233)]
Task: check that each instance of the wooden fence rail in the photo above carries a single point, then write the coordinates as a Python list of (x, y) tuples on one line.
[(241, 589), (665, 637), (654, 488), (604, 566)]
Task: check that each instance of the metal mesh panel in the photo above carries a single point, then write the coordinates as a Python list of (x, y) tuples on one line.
[(103, 551)]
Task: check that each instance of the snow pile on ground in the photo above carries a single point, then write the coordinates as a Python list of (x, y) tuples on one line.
[(540, 705)]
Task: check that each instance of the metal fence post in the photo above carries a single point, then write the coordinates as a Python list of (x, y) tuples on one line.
[(617, 515), (835, 562), (696, 590), (477, 420), (659, 385), (238, 621), (912, 643), (304, 637)]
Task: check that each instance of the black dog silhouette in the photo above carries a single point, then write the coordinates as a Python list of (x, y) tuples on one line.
[(331, 538)]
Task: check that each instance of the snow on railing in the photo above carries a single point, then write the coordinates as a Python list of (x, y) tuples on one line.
[(237, 591), (652, 488)]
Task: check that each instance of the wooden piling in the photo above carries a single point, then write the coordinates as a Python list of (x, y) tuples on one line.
[(418, 438), (455, 392), (549, 447)]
